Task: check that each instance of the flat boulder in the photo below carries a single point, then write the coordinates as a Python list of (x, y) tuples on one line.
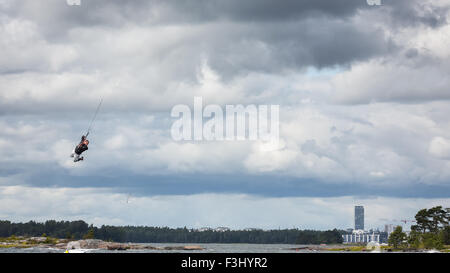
[(117, 246), (182, 248), (193, 248), (86, 244)]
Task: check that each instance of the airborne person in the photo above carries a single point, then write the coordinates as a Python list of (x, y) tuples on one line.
[(83, 146)]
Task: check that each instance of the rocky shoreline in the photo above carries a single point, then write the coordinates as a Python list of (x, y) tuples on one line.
[(95, 244), (64, 244), (99, 244)]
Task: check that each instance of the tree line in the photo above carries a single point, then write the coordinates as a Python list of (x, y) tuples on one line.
[(431, 230), (76, 230)]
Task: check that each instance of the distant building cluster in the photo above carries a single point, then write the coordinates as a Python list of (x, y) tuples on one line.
[(388, 228), (221, 229), (252, 229), (217, 229), (359, 235)]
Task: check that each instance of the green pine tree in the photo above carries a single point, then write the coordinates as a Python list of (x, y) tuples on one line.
[(90, 234), (397, 237)]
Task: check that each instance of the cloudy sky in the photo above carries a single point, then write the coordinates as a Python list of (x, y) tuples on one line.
[(364, 111)]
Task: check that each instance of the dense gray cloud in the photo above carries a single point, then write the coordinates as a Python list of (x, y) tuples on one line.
[(117, 12), (414, 13), (236, 37), (113, 47)]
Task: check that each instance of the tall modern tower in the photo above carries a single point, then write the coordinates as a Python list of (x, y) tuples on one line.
[(359, 217)]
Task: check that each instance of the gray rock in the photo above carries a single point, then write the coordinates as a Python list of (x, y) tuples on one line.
[(91, 243), (61, 246), (74, 245)]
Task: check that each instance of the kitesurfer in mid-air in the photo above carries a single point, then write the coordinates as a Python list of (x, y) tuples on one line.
[(83, 146)]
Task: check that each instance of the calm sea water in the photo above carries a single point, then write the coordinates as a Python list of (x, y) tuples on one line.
[(208, 248)]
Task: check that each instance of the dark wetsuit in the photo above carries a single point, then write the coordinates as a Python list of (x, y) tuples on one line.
[(81, 147)]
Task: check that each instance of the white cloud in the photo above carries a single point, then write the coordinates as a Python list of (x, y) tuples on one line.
[(414, 72), (24, 48), (362, 144), (384, 80), (377, 173), (440, 147)]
